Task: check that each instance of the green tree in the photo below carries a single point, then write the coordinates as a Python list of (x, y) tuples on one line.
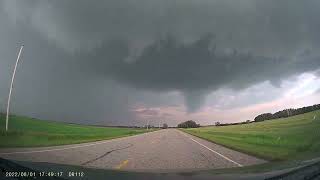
[(188, 124), (165, 126)]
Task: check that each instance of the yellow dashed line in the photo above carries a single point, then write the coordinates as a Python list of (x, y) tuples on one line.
[(122, 164)]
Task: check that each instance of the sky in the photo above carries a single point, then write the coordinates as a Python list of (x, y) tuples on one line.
[(164, 61)]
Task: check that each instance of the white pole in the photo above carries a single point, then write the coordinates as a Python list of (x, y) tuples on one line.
[(148, 124), (11, 86)]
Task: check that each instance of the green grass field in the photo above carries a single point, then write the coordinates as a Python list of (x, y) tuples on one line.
[(290, 138), (28, 132)]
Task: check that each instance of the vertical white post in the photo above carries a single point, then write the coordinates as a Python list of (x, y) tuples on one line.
[(11, 86)]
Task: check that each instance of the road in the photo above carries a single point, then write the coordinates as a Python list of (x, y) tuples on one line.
[(166, 150)]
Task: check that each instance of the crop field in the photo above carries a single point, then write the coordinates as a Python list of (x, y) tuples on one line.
[(29, 132), (280, 139)]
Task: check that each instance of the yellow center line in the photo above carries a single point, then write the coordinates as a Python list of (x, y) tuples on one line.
[(122, 164)]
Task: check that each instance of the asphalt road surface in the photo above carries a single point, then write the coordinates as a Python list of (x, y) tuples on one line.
[(166, 150)]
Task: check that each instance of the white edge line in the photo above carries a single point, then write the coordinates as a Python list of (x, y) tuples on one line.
[(73, 147), (48, 150), (238, 164), (217, 153)]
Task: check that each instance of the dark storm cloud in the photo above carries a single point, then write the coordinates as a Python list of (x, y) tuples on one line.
[(170, 65), (264, 26), (193, 46), (52, 84), (196, 69)]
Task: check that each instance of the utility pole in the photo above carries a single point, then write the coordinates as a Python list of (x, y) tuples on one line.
[(11, 86), (148, 124)]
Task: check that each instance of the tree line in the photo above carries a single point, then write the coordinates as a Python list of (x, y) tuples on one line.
[(229, 124), (286, 113), (262, 117), (188, 124)]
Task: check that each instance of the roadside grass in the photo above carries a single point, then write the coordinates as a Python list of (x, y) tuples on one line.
[(293, 138), (29, 132)]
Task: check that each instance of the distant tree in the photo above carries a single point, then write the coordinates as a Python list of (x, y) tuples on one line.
[(248, 121), (188, 124), (164, 126), (262, 117), (286, 113), (217, 123)]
